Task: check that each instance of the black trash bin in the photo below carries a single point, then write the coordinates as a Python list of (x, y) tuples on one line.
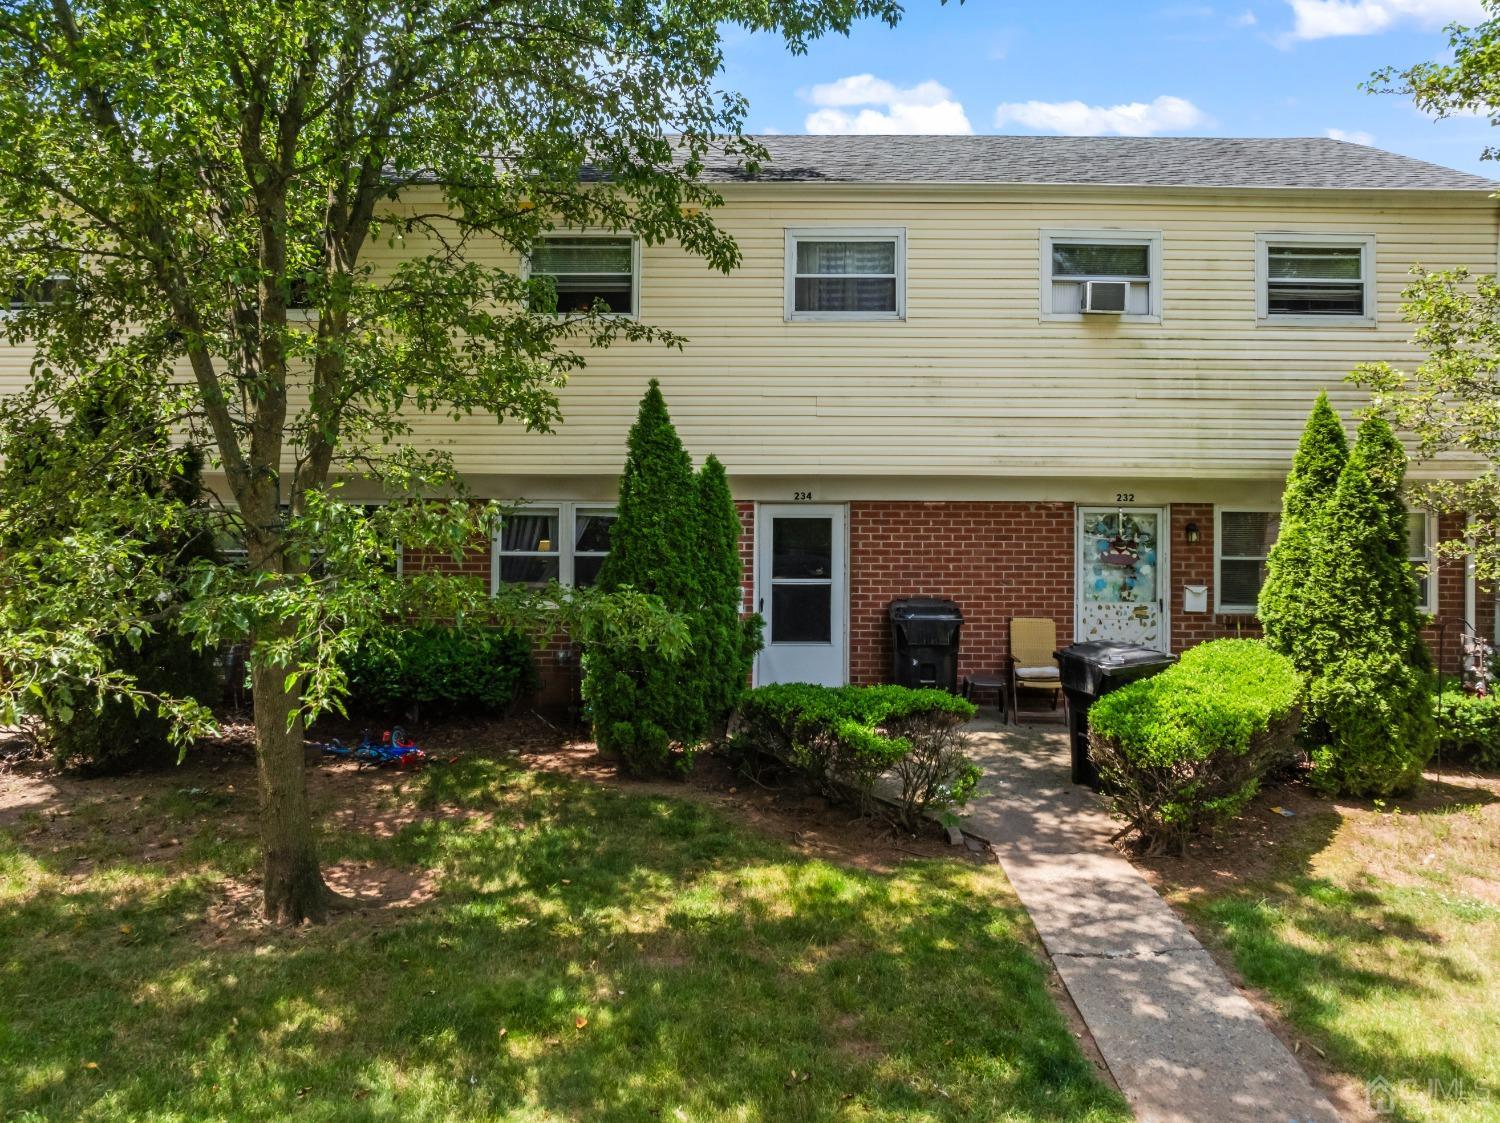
[(924, 637), (1090, 671)]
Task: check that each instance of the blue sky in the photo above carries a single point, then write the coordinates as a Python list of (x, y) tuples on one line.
[(1133, 67)]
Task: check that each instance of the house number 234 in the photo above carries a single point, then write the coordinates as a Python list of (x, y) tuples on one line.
[(801, 496)]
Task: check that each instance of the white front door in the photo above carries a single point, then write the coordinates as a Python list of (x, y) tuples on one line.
[(1122, 576), (802, 590)]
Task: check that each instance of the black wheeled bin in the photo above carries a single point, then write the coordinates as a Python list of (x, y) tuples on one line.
[(924, 638), (1090, 671)]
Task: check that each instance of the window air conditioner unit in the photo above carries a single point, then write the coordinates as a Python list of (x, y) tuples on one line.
[(1108, 297)]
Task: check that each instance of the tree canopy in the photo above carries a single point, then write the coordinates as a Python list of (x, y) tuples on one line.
[(1448, 403), (190, 199)]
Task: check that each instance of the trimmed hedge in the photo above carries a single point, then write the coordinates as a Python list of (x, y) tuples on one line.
[(1469, 727), (901, 744), (1186, 749), (453, 670)]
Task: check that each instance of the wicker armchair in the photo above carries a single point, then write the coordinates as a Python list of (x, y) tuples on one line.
[(1031, 664)]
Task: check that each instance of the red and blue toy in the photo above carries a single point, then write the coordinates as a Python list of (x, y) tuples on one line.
[(394, 750)]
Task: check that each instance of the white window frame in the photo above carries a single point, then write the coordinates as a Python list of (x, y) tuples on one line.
[(1151, 239), (567, 530), (795, 234), (614, 235), (1429, 606), (7, 309), (1263, 244), (1220, 607)]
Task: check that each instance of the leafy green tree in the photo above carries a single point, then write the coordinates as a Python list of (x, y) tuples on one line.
[(728, 641), (1449, 402), (111, 734), (642, 705), (1368, 699), (177, 176), (1320, 457)]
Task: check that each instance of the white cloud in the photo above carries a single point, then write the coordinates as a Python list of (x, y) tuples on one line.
[(863, 103), (1245, 19), (1075, 118), (1353, 136), (1327, 19)]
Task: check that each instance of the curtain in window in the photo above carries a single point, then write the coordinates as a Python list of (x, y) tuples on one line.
[(833, 258), (534, 532)]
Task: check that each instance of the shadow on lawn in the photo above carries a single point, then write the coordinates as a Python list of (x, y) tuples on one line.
[(591, 955), (1320, 948)]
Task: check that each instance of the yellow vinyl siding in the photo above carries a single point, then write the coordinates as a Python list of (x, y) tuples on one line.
[(973, 383)]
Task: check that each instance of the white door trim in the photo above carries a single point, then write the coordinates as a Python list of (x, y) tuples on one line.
[(1163, 562), (839, 512)]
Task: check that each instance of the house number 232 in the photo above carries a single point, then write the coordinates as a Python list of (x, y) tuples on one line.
[(1124, 497)]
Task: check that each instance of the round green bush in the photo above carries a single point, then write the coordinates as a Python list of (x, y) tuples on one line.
[(1185, 750)]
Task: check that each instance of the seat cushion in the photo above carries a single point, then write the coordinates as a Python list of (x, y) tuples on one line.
[(1038, 674)]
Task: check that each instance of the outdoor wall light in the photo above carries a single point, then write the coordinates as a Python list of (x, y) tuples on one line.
[(1190, 532)]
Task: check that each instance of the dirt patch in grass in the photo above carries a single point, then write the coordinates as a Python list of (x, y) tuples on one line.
[(66, 816)]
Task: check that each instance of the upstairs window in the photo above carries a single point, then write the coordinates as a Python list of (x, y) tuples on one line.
[(32, 293), (1316, 279), (845, 274), (1244, 542), (590, 271), (1124, 270)]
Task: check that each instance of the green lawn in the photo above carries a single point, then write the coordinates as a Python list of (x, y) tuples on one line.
[(590, 954), (1376, 931)]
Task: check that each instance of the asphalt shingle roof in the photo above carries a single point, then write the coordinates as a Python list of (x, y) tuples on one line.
[(1290, 162)]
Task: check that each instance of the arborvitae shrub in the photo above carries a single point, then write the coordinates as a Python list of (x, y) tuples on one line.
[(1321, 455), (1369, 692), (724, 643), (650, 711)]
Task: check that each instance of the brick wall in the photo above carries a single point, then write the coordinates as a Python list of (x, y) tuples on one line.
[(746, 512), (997, 560), (1192, 563), (1447, 626)]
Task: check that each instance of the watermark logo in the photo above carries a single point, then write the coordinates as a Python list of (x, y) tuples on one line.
[(1381, 1095)]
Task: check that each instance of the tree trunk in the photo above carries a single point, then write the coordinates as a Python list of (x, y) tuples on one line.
[(294, 888)]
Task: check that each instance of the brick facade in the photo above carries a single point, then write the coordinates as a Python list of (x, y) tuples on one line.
[(997, 560)]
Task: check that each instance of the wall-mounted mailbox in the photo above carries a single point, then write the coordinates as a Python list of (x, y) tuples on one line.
[(1195, 598)]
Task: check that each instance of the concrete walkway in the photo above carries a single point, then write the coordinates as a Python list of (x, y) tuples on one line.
[(1183, 1044)]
